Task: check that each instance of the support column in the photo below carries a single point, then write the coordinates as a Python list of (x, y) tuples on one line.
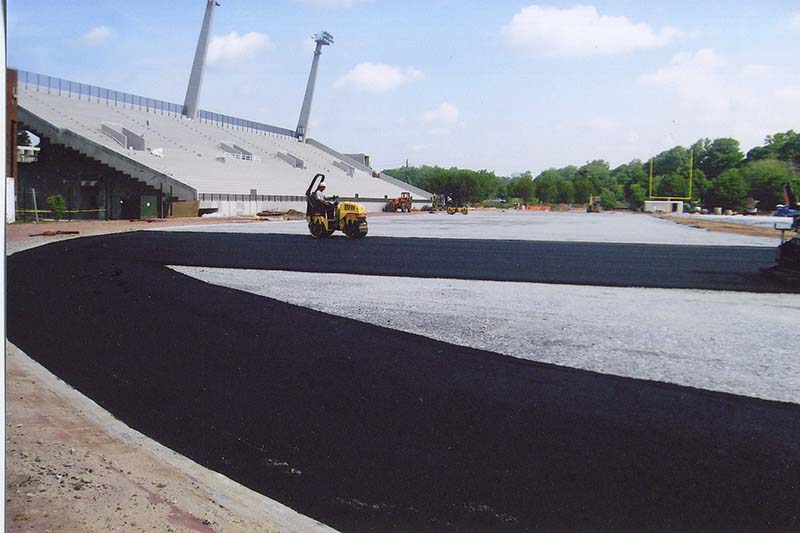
[(322, 39), (196, 77)]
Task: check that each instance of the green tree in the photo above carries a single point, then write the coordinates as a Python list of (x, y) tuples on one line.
[(765, 179), (671, 171), (598, 174), (700, 185), (502, 187), (760, 152), (699, 151), (608, 199), (57, 206), (722, 154), (728, 191), (790, 150), (630, 174), (673, 184), (486, 185), (784, 146), (523, 187), (637, 196), (566, 191), (462, 185), (569, 172), (547, 186), (672, 161), (583, 189)]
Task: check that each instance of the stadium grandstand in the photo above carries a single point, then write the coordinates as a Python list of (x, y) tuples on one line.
[(117, 155)]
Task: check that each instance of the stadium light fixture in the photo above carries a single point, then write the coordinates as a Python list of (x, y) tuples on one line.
[(322, 39), (190, 104)]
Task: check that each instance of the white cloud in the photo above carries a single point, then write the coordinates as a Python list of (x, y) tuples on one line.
[(695, 76), (705, 93), (581, 31), (97, 36), (444, 113), (232, 49), (686, 67), (377, 77), (440, 120)]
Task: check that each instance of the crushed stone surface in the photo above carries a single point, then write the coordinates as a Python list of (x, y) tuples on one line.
[(618, 227)]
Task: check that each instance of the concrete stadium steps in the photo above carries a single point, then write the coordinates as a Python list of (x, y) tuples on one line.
[(191, 149), (98, 150)]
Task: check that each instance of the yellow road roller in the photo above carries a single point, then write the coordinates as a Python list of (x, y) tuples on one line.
[(326, 214)]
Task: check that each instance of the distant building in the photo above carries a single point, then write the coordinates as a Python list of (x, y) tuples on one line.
[(11, 122), (11, 141), (27, 154), (663, 206)]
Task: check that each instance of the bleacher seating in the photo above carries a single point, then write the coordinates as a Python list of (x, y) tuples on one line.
[(208, 157)]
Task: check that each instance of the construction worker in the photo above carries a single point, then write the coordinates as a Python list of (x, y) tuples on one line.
[(324, 202)]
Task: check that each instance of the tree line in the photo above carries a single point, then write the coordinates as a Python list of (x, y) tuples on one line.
[(722, 176)]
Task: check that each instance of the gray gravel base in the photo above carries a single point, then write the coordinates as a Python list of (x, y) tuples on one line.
[(740, 343), (762, 221), (516, 225)]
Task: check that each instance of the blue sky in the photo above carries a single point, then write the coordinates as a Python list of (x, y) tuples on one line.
[(503, 85)]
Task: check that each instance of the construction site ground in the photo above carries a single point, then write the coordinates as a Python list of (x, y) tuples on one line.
[(70, 466), (762, 226)]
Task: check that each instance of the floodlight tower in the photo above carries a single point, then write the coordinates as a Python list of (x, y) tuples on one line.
[(322, 39), (196, 78)]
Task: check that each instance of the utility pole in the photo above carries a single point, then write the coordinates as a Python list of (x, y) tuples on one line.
[(35, 209), (322, 39), (406, 170), (198, 66)]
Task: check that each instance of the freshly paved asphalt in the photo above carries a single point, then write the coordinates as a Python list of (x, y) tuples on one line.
[(367, 428)]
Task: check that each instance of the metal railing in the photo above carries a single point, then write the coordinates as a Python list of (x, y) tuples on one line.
[(334, 153), (241, 157), (224, 197), (85, 91)]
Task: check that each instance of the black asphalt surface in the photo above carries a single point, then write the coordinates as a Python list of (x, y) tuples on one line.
[(367, 428)]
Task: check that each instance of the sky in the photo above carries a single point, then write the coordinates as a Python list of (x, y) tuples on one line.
[(505, 85)]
